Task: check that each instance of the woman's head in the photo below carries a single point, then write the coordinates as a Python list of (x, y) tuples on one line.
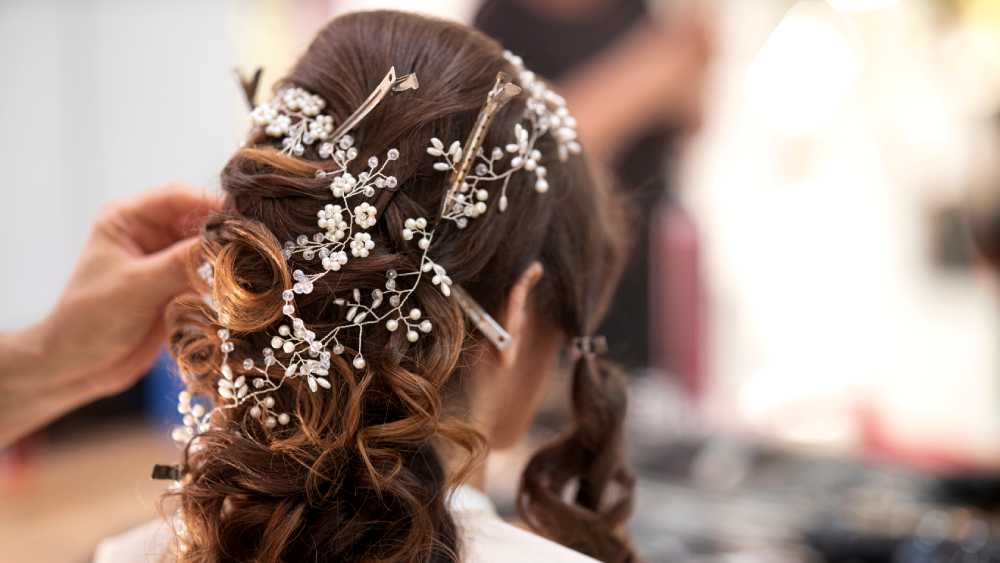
[(357, 474)]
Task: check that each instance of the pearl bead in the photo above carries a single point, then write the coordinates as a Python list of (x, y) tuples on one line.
[(412, 335), (359, 362), (255, 412), (288, 347), (268, 402), (415, 314), (391, 325), (424, 243), (283, 418), (426, 326)]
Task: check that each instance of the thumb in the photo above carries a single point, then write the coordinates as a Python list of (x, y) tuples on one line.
[(165, 273)]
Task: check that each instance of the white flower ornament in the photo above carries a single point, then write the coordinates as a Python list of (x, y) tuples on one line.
[(295, 351)]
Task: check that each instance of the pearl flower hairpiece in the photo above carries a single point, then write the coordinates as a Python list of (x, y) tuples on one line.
[(297, 352)]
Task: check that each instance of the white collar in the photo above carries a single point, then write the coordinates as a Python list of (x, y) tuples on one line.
[(466, 498)]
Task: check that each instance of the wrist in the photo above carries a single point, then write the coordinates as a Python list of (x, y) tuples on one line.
[(22, 355), (28, 395)]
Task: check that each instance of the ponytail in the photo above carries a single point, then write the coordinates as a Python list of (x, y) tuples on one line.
[(588, 458)]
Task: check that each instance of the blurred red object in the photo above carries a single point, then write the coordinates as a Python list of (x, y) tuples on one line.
[(677, 298), (16, 461), (877, 442)]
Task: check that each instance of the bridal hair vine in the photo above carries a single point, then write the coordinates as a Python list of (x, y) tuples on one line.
[(295, 118)]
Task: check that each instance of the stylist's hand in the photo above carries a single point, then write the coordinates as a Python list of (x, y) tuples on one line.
[(107, 327)]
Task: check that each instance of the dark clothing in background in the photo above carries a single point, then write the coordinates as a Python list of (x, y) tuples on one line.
[(553, 48)]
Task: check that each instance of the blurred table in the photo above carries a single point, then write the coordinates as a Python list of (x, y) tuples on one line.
[(66, 495)]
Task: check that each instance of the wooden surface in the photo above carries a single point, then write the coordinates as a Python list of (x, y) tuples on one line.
[(65, 496)]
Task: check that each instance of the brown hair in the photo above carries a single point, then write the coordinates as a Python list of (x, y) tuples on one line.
[(357, 476)]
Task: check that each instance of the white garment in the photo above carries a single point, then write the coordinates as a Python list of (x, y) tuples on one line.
[(485, 538)]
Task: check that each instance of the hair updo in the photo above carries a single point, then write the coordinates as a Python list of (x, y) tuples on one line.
[(356, 475)]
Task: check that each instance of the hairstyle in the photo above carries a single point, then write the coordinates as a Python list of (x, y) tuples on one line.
[(357, 475)]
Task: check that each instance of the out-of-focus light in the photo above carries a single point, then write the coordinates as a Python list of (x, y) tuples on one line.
[(862, 5), (805, 69)]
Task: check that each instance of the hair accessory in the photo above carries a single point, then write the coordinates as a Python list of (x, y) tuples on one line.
[(454, 205), (545, 113), (294, 115), (249, 85), (167, 472), (591, 345), (298, 352), (482, 320)]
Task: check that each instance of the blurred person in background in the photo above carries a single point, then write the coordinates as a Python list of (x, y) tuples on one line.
[(636, 84), (983, 214)]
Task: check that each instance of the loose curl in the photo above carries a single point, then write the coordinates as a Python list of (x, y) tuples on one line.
[(357, 475)]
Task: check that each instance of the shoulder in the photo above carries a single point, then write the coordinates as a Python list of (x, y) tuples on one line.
[(147, 543), (487, 538)]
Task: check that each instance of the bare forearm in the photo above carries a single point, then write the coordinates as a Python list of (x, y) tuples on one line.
[(619, 92), (653, 74), (30, 394)]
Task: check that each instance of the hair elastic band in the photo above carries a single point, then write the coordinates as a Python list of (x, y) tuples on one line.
[(591, 345)]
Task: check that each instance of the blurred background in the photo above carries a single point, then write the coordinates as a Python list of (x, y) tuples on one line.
[(811, 316)]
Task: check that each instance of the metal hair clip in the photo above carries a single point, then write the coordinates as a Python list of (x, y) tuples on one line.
[(295, 116), (389, 84), (503, 91), (482, 320)]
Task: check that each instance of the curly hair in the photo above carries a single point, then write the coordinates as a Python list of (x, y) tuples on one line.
[(358, 475)]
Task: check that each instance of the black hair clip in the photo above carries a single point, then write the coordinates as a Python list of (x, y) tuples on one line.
[(167, 472), (249, 85)]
